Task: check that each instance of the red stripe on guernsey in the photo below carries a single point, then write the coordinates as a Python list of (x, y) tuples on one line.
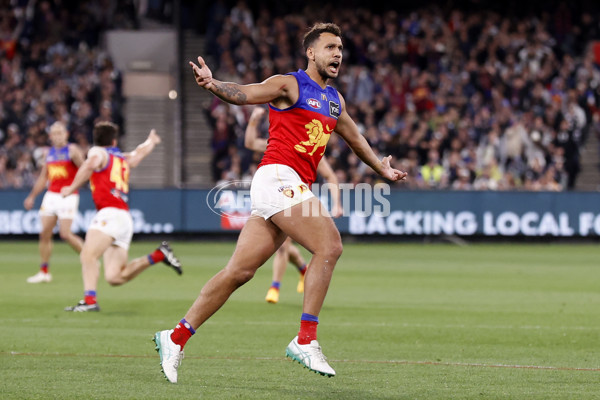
[(298, 135), (61, 169), (111, 185)]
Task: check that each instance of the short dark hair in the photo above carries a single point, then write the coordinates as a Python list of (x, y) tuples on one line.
[(105, 133), (315, 32)]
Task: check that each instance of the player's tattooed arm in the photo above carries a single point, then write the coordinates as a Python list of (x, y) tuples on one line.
[(282, 90), (229, 92)]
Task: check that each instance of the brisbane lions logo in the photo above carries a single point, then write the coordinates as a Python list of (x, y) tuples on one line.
[(57, 172), (317, 137)]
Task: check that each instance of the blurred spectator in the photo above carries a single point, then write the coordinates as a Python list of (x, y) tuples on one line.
[(51, 69)]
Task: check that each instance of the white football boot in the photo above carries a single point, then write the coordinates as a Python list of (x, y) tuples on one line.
[(309, 355), (40, 277), (170, 354)]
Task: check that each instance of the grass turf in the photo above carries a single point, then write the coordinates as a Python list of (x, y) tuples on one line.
[(401, 321)]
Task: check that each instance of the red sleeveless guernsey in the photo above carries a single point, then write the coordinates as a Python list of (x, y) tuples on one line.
[(61, 169), (110, 186), (298, 134)]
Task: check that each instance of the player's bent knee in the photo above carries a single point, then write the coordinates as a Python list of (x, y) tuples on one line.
[(64, 235), (115, 282), (337, 249), (332, 250), (114, 279), (86, 257), (46, 236), (241, 276)]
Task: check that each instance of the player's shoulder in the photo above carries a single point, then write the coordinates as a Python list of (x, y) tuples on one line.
[(97, 150), (281, 78), (342, 100)]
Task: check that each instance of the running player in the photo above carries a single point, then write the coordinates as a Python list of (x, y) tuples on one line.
[(288, 252), (62, 160), (304, 111), (111, 229)]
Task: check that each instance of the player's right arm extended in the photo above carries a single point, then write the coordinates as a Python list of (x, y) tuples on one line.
[(38, 186), (143, 149), (271, 89)]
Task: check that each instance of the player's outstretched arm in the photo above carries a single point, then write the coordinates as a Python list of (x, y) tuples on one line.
[(273, 88), (142, 150), (38, 187), (348, 130), (251, 139), (97, 158)]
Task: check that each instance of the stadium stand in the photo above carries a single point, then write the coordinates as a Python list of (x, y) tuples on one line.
[(463, 99), (466, 100)]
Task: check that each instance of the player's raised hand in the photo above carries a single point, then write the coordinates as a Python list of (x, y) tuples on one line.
[(257, 114), (202, 73), (390, 173), (153, 137)]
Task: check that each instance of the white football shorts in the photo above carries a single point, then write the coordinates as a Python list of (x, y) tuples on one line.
[(116, 223), (276, 187), (53, 204)]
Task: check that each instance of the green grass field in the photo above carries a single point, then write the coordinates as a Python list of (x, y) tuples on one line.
[(404, 321)]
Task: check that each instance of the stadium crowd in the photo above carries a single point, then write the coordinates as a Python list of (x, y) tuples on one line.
[(466, 100), (462, 100), (52, 69)]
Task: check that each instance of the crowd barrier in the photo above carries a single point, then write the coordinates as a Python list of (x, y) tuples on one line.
[(394, 213)]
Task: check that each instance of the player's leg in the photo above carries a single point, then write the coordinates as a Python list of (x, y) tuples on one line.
[(64, 230), (296, 258), (66, 214), (258, 240), (279, 264), (116, 268), (319, 235), (95, 244), (48, 223), (118, 271), (310, 225)]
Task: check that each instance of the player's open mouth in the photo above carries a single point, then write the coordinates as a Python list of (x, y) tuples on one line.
[(334, 66)]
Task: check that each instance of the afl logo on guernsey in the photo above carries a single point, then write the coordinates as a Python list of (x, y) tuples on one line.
[(314, 103)]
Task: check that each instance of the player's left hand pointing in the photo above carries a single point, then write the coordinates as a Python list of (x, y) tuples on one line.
[(391, 173)]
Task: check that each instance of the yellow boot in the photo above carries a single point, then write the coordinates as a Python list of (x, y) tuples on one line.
[(272, 296), (300, 287)]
